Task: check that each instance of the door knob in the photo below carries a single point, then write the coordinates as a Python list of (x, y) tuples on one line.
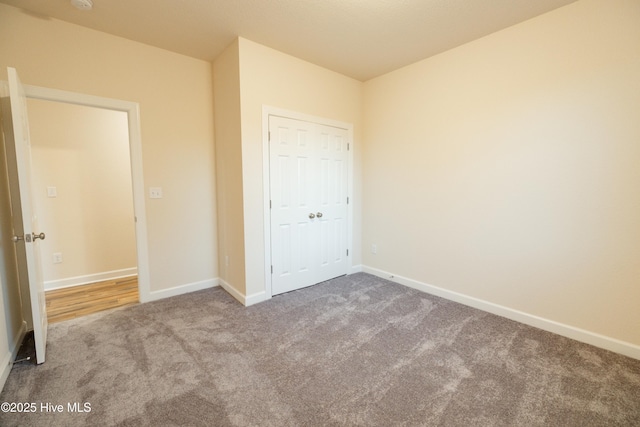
[(319, 214), (17, 238), (312, 215), (38, 236)]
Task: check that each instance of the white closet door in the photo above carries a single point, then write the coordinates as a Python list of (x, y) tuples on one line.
[(292, 172), (332, 202), (308, 185)]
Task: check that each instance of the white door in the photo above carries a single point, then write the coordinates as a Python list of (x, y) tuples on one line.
[(27, 234), (332, 201), (308, 193)]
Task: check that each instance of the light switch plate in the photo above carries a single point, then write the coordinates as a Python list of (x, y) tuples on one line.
[(52, 192), (155, 192)]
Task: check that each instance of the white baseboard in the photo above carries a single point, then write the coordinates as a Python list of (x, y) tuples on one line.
[(243, 299), (10, 356), (89, 278), (256, 298), (356, 269), (181, 289), (248, 300), (582, 335), (232, 291)]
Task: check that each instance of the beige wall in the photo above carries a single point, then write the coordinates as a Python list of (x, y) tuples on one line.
[(269, 77), (231, 247), (507, 169), (504, 170), (84, 153), (176, 109)]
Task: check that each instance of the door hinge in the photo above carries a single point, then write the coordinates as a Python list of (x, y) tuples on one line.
[(347, 200), (347, 252), (348, 146), (269, 204), (272, 269), (269, 136)]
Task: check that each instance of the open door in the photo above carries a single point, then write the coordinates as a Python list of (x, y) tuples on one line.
[(25, 222)]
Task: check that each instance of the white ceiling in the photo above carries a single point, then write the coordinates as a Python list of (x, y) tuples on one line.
[(358, 38)]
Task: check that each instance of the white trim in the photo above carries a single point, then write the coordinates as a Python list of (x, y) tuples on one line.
[(266, 192), (239, 296), (256, 298), (89, 278), (242, 298), (275, 111), (356, 269), (578, 334), (135, 145), (10, 356), (183, 289)]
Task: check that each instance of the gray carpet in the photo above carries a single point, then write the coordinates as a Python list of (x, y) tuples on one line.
[(357, 351)]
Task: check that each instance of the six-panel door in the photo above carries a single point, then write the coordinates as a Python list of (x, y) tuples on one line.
[(308, 192)]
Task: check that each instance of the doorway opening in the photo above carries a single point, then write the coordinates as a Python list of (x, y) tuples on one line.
[(81, 175), (101, 220)]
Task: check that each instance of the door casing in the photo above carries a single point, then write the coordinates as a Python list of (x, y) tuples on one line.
[(135, 146)]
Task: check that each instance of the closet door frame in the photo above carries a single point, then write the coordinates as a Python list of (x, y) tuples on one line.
[(269, 111)]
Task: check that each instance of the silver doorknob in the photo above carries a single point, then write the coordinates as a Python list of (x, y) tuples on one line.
[(38, 236), (17, 238), (312, 215), (319, 214)]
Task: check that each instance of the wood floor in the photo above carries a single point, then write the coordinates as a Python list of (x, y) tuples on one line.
[(77, 301)]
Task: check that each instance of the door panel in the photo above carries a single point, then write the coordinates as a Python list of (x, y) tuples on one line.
[(291, 176), (309, 199), (303, 256), (324, 242), (333, 203), (22, 208)]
